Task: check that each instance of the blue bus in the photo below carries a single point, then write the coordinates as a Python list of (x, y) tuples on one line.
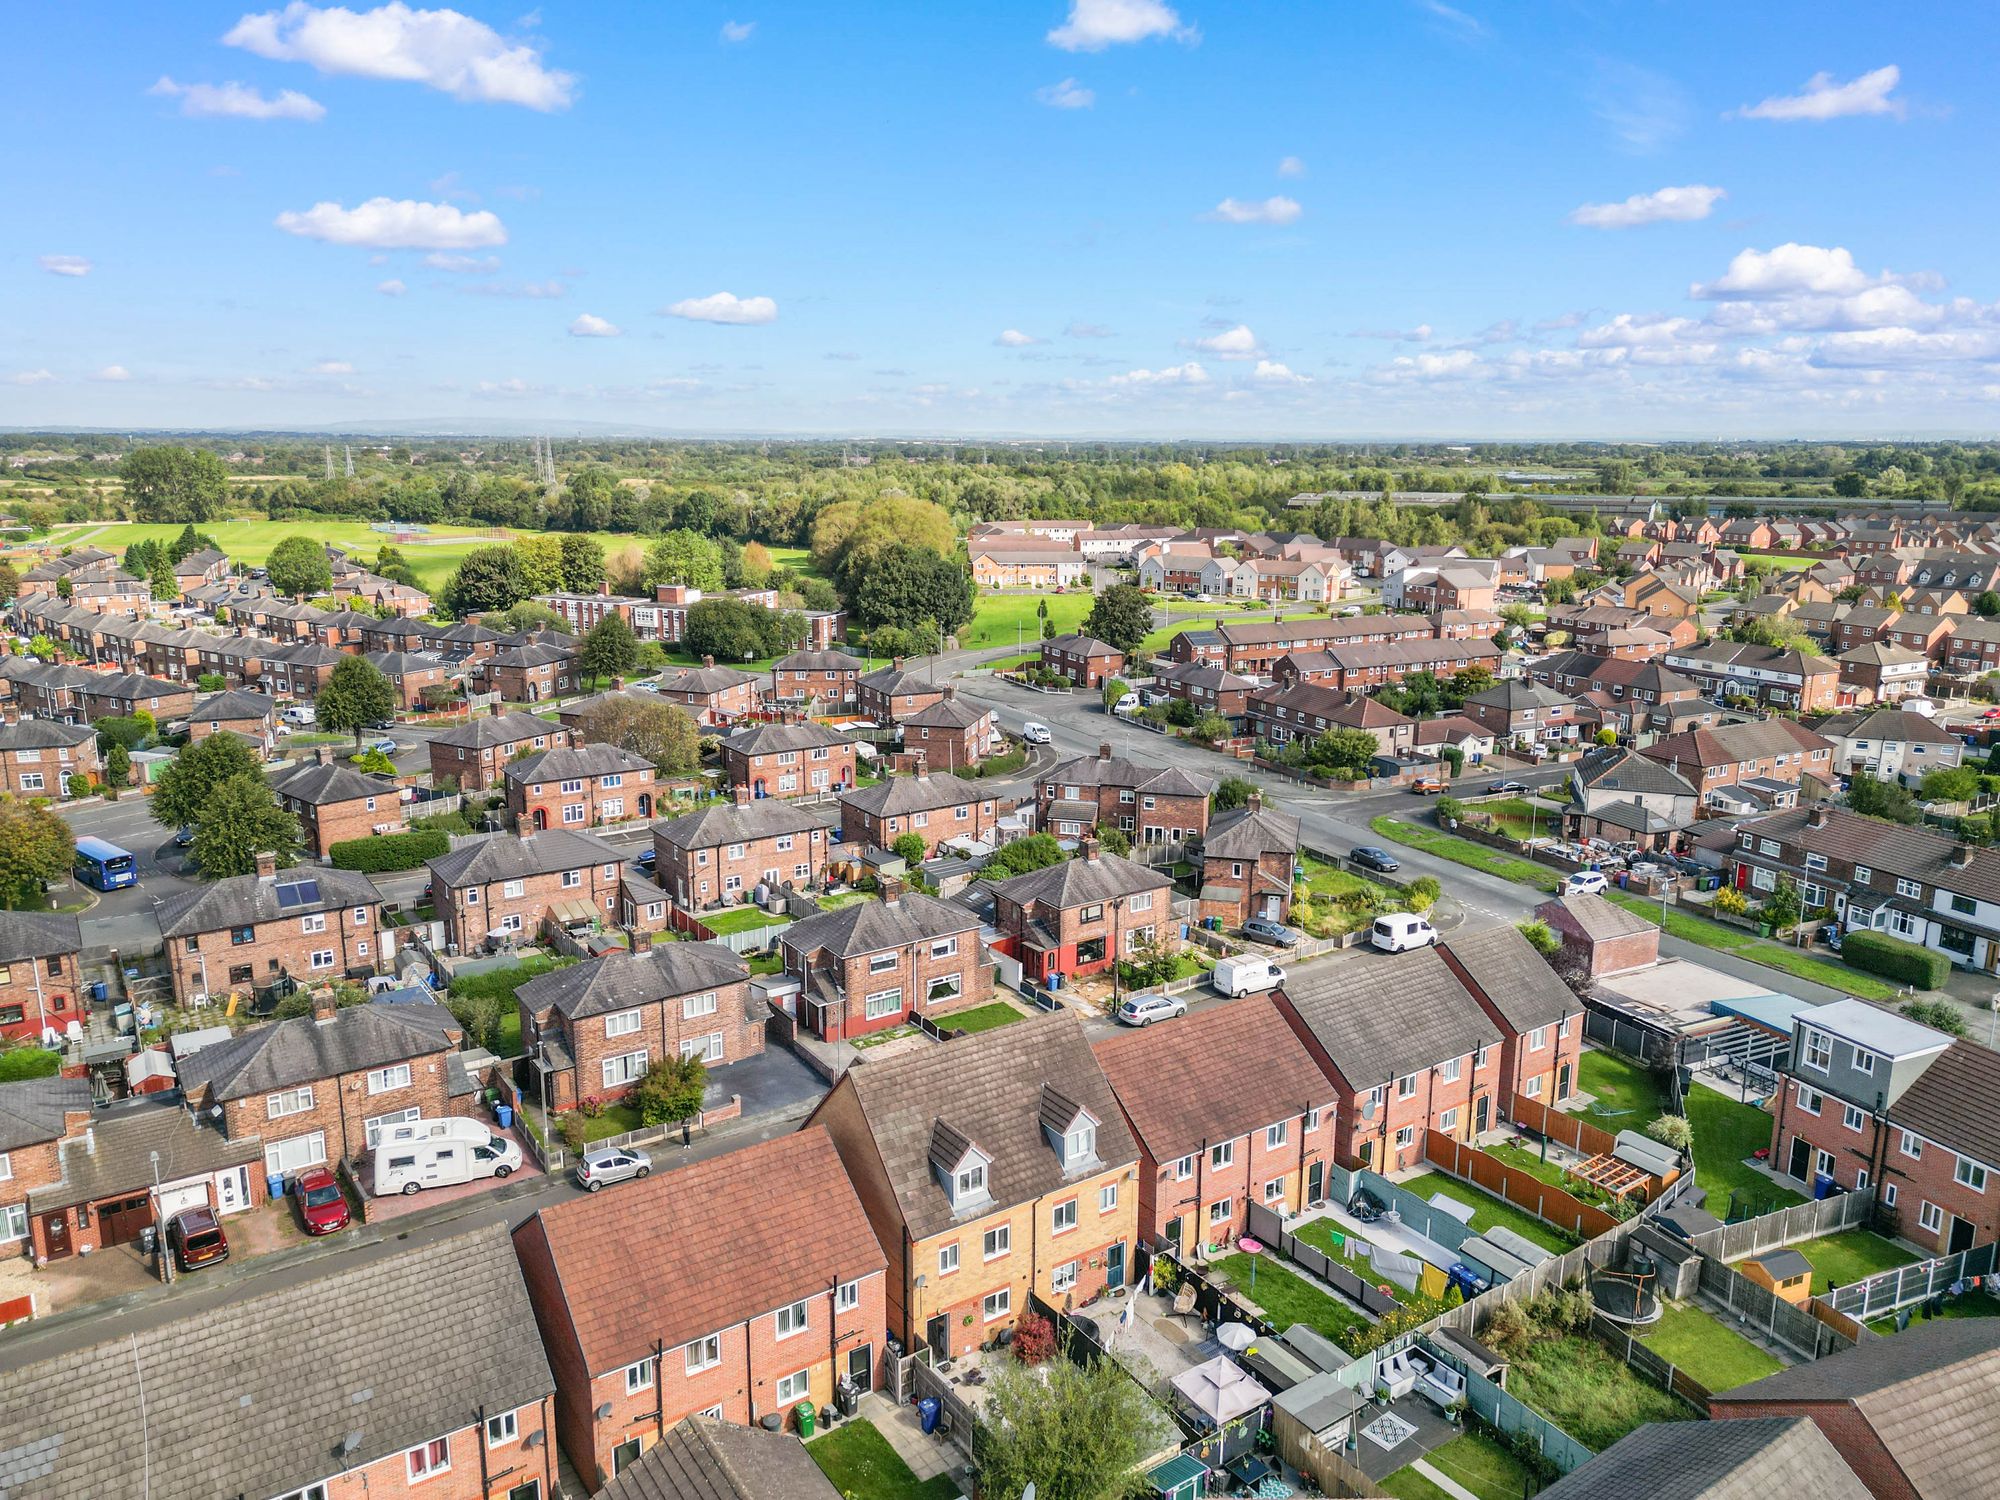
[(105, 866)]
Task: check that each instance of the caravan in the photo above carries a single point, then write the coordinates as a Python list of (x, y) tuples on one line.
[(440, 1153)]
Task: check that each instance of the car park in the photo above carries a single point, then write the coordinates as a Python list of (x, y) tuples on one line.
[(1036, 734), (1144, 1010), (1263, 930), (1585, 883), (321, 1203), (1400, 931), (1379, 860), (195, 1239), (603, 1165)]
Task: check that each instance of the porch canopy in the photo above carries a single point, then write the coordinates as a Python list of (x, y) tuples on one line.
[(1220, 1390)]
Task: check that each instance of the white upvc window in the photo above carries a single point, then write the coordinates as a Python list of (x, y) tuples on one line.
[(639, 1377), (1274, 1135), (314, 923), (1912, 1146), (698, 1005), (1852, 1118), (381, 1080), (1818, 1050), (625, 1023), (428, 1459), (627, 1067), (997, 1304), (571, 879), (1969, 1173), (289, 1102), (1063, 1277), (502, 1429), (1107, 1198), (1406, 1135), (847, 1296), (793, 1319), (1930, 1217), (1184, 1169), (710, 1048), (1222, 1154), (996, 1242), (322, 958), (794, 1387), (1449, 1070), (514, 889), (947, 1259), (704, 1353)]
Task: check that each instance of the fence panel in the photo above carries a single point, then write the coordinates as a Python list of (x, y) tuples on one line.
[(1786, 1226), (1893, 1290), (1794, 1327), (1524, 1190), (1509, 1416), (958, 1424)]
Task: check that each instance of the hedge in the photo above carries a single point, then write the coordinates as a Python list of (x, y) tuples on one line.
[(1892, 958), (391, 851)]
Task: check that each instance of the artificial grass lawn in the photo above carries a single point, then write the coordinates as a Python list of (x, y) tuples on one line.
[(1625, 1096), (1971, 1305), (741, 919), (1489, 1212), (1464, 852), (1726, 1134), (1851, 1256), (1707, 933), (984, 1017), (1473, 1461), (1580, 1385), (1286, 1299), (859, 1461), (1715, 1355)]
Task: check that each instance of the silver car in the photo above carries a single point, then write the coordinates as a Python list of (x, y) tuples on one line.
[(605, 1164), (1144, 1010)]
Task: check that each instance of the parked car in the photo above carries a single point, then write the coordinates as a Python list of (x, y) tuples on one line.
[(301, 714), (1379, 860), (386, 745), (195, 1238), (1144, 1010), (322, 1205), (1429, 786), (1400, 931), (184, 836), (1264, 930), (1830, 935), (1035, 734), (1585, 883), (606, 1164), (1508, 786)]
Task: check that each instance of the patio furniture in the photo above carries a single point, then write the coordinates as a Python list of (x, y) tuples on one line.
[(1184, 1300), (1398, 1375), (1443, 1386)]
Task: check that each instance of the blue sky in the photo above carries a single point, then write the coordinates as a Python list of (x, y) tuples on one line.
[(1127, 218)]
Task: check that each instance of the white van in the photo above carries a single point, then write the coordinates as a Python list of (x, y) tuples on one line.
[(1246, 976), (1400, 931), (301, 714), (1127, 704), (420, 1154)]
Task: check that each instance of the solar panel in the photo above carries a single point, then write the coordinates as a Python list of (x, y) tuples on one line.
[(298, 893)]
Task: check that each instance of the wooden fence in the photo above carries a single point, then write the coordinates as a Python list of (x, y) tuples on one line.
[(1663, 1373), (1568, 1130), (1523, 1189), (1739, 1298)]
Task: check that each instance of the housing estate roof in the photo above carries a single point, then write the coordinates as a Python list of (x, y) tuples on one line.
[(710, 1245), (1517, 695), (489, 731), (1382, 1018), (621, 981), (1076, 882), (34, 1110), (1600, 920), (1106, 769), (576, 762), (1725, 744), (130, 1149), (43, 734), (1251, 832), (1618, 768), (702, 1458), (500, 856), (1783, 659), (244, 900), (733, 823), (1338, 707), (531, 654), (1891, 725), (1078, 644), (1504, 967), (895, 678), (764, 739), (706, 680), (402, 663), (198, 562), (947, 713), (38, 934), (1204, 674), (872, 926), (319, 786), (305, 1050), (1951, 1101), (818, 661), (894, 796), (1254, 1071), (406, 1347), (235, 704)]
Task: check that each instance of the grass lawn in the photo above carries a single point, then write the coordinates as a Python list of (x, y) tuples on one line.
[(1780, 559), (1972, 1305), (1286, 1299), (1003, 619), (1489, 1212), (1464, 852), (1341, 901), (507, 1037), (1580, 1385), (1717, 1356), (859, 1461), (984, 1017), (740, 919), (1627, 1096), (845, 898), (1684, 924), (1726, 1133), (767, 963), (1319, 1234), (1855, 1255), (1472, 1461), (1531, 1162), (616, 1120), (1519, 818)]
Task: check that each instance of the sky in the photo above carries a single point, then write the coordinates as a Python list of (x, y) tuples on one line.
[(1623, 219)]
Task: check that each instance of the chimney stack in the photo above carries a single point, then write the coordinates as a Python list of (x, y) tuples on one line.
[(1961, 856), (1816, 817), (604, 588), (497, 709), (897, 663), (617, 684), (1104, 750), (1255, 802), (267, 866), (708, 661), (324, 755), (950, 691), (1089, 849), (10, 713), (642, 941), (890, 889), (742, 794), (325, 1008)]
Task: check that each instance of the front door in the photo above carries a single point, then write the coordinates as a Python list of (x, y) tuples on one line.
[(937, 1333), (861, 1369), (1800, 1161), (232, 1190), (55, 1232), (1315, 1182), (1482, 1114), (1961, 1236), (1114, 1266)]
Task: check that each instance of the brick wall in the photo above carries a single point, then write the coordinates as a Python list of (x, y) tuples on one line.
[(663, 1026), (256, 728), (701, 877), (330, 823), (911, 971), (507, 1465), (481, 770), (548, 804), (1169, 1193), (973, 818), (472, 911), (944, 749), (1846, 1429), (212, 962), (38, 992), (792, 773), (19, 769), (341, 1108)]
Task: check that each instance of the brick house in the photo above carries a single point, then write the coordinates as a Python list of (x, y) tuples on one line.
[(1540, 1019), (1974, 647), (1307, 710), (890, 693), (1367, 665), (36, 1116), (717, 857), (1246, 865), (1770, 676), (254, 716), (1151, 805), (41, 977), (530, 673), (990, 1167), (715, 695), (498, 890), (1081, 660), (398, 634), (1255, 646), (822, 681), (1022, 567), (200, 567), (740, 1287), (876, 964), (321, 1088), (244, 934), (1619, 794), (1208, 689), (1768, 763), (1890, 744), (298, 669), (789, 760), (1522, 711), (579, 787), (475, 754), (1880, 673), (594, 1028), (119, 695), (1074, 918), (705, 1458), (1599, 935), (1207, 1150), (937, 808), (38, 756), (409, 673), (951, 733), (449, 1399), (337, 804)]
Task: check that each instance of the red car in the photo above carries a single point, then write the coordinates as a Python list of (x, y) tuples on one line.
[(1991, 713), (322, 1205), (195, 1238)]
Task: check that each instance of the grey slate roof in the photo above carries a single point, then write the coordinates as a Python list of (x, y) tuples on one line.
[(892, 679), (1951, 1101), (732, 823), (243, 900), (489, 731), (872, 926), (320, 785), (402, 663), (818, 661), (500, 856), (1599, 919), (116, 1158), (765, 739), (404, 1348), (621, 981), (32, 1110), (894, 796), (38, 934), (1513, 976), (1616, 768), (305, 1050), (1116, 771), (1075, 882), (1244, 833), (947, 713), (531, 654), (1381, 1018), (43, 734), (580, 761), (235, 704), (706, 680), (701, 1458)]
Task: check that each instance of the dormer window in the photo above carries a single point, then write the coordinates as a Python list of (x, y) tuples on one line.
[(1080, 1143), (970, 1181)]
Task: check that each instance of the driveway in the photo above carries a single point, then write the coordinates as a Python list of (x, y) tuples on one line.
[(776, 1079)]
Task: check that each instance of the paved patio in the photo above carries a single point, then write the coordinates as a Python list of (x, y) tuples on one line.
[(398, 1204), (1156, 1345), (1395, 1436), (926, 1454)]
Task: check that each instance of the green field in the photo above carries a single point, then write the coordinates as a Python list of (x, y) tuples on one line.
[(1008, 619)]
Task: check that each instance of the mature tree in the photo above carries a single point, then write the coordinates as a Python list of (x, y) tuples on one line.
[(1882, 799), (589, 496), (1850, 486), (754, 565), (1208, 728), (373, 762), (582, 563), (664, 733), (1122, 616), (139, 557), (1230, 793), (521, 618), (299, 566), (41, 646), (167, 482), (1076, 1432), (1465, 683), (1344, 753), (1774, 630), (1035, 852), (910, 848), (1956, 784), (65, 587), (684, 557), (909, 586), (609, 649), (849, 535), (356, 695), (188, 543), (36, 847), (131, 733), (185, 786), (117, 765), (730, 630), (817, 593), (541, 563), (1987, 604), (1112, 690), (10, 582), (211, 682), (161, 579), (1113, 840), (673, 1089), (240, 820), (488, 578)]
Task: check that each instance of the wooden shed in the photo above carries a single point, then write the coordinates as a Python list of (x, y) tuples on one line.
[(1783, 1273)]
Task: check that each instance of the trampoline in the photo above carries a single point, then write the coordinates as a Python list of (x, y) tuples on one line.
[(1627, 1297)]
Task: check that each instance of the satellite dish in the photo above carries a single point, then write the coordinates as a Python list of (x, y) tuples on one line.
[(1368, 1109), (1235, 1337)]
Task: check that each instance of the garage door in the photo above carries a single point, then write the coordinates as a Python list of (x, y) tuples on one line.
[(122, 1222), (174, 1199)]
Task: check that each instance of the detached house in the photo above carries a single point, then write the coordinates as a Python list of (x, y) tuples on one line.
[(579, 787), (719, 856), (1150, 805), (337, 804), (875, 964), (1078, 917), (249, 933), (497, 890), (1247, 861), (1890, 744), (475, 754), (789, 760), (938, 808), (991, 1167)]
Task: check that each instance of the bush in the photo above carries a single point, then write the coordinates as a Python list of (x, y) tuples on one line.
[(574, 1130), (1892, 958), (394, 851), (1450, 810), (1730, 900), (1424, 893), (1540, 938), (1034, 1339), (1940, 1015), (1672, 1130)]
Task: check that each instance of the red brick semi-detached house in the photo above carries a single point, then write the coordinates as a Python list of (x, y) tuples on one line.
[(530, 673), (876, 964), (448, 1397), (822, 681), (936, 808), (37, 757), (40, 974), (950, 734), (1081, 660), (1307, 710), (36, 1116), (246, 933), (1075, 918), (475, 754), (498, 890), (789, 760), (1206, 688), (1209, 1146), (579, 787), (991, 1167), (1247, 861), (719, 856), (337, 804), (409, 673), (321, 1088), (889, 694), (714, 695), (1766, 764), (1407, 1047), (594, 1028), (1150, 805), (1540, 1019), (741, 1287), (251, 715)]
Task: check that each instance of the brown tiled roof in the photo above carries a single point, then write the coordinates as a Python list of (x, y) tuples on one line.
[(1726, 744), (1211, 1076), (1952, 1101), (701, 1248), (702, 1458)]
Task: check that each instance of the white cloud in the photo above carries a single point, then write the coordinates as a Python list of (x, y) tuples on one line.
[(1454, 23), (1069, 94), (1088, 331), (31, 377), (391, 287), (1187, 374), (1637, 331), (1273, 210), (590, 326), (1878, 347), (1232, 343), (332, 367), (507, 388), (1644, 110), (738, 31), (1291, 166), (113, 372), (65, 265), (1823, 99), (1415, 335), (1094, 25), (441, 49), (725, 307), (238, 101), (1013, 338), (1270, 372), (539, 291), (396, 224), (471, 265), (1791, 269), (1669, 205), (1460, 364)]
